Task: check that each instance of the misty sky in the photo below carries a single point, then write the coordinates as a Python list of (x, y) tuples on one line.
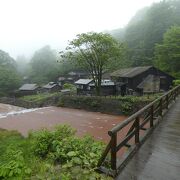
[(27, 25)]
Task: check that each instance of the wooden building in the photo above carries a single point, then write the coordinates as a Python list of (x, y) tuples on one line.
[(145, 79), (87, 87), (28, 89), (72, 77), (51, 87)]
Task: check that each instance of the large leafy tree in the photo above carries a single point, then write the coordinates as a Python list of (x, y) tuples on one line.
[(167, 54), (44, 66), (6, 61), (94, 52), (9, 78)]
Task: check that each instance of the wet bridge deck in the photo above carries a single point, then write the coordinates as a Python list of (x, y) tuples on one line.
[(159, 156)]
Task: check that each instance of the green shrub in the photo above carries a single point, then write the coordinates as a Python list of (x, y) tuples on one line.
[(95, 104), (61, 103), (42, 139), (126, 108), (69, 86), (49, 154), (15, 165), (61, 146), (176, 82)]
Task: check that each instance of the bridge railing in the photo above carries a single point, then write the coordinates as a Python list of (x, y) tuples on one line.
[(126, 137)]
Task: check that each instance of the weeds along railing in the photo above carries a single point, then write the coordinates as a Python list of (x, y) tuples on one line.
[(126, 137)]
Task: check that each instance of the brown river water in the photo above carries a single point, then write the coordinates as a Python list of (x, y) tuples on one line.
[(92, 123)]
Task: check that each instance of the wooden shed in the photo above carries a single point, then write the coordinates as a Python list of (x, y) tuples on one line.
[(87, 87), (51, 87), (143, 78), (28, 89)]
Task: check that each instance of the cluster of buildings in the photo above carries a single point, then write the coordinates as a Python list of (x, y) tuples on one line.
[(30, 89), (135, 80)]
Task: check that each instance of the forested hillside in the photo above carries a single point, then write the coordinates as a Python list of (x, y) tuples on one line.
[(147, 28), (9, 78)]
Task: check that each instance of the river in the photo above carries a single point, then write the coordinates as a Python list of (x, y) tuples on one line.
[(23, 120)]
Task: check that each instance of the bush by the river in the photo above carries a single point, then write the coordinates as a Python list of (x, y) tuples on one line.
[(126, 105), (56, 154)]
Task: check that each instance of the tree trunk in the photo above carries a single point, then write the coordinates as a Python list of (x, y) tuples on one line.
[(98, 90)]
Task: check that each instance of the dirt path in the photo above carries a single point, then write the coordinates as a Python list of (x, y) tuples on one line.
[(93, 123)]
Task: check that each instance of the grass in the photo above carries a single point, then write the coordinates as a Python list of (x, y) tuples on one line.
[(39, 97)]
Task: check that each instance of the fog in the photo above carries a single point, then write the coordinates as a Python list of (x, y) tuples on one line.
[(27, 25)]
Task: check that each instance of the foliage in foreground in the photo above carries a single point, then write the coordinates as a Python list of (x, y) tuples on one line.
[(49, 154)]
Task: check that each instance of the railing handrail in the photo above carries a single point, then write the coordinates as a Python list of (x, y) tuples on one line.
[(152, 112), (121, 125)]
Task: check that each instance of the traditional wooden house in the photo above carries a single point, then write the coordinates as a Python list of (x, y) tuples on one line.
[(28, 89), (107, 87), (51, 87), (146, 79), (87, 87), (83, 87), (72, 77)]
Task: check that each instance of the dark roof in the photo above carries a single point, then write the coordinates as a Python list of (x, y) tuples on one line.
[(50, 85), (28, 87), (130, 72)]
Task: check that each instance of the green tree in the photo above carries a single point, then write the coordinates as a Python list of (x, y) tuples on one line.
[(167, 54), (94, 51), (66, 65), (6, 61), (9, 78), (44, 66), (22, 65), (142, 35), (146, 29)]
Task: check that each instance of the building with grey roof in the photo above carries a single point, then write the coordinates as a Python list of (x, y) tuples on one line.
[(51, 87), (28, 89), (87, 86), (143, 79)]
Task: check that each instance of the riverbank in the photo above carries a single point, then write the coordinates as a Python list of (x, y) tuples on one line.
[(34, 101), (118, 105), (5, 108)]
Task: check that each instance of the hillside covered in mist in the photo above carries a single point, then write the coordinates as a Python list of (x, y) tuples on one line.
[(146, 29)]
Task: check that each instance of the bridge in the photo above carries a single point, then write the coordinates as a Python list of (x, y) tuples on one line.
[(151, 148)]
